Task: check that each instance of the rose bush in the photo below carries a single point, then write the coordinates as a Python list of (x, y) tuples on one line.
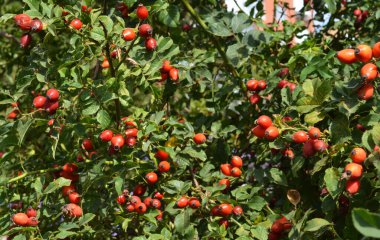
[(181, 120)]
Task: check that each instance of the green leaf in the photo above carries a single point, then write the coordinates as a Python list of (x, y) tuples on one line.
[(103, 118), (37, 185), (331, 179), (86, 218), (108, 23), (278, 177), (57, 184), (33, 4), (182, 221), (176, 187), (339, 128), (92, 109), (237, 53), (22, 128), (375, 132), (306, 71), (19, 237), (256, 203), (366, 222), (97, 34), (240, 22), (170, 16), (314, 117), (331, 5), (195, 153), (315, 224), (64, 234), (119, 183)]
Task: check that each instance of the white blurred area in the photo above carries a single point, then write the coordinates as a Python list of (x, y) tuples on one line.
[(231, 6)]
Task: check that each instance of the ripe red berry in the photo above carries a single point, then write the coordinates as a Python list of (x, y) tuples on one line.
[(358, 155), (131, 132), (105, 63), (238, 210), (147, 201), (76, 23), (346, 56), (31, 212), (261, 85), (25, 40), (32, 222), (186, 27), (135, 200), (151, 177), (158, 195), (145, 30), (155, 203), (74, 197), (352, 186), (23, 21), (223, 222), (353, 170), (130, 141), (164, 166), (236, 161), (288, 153), (308, 148), (369, 72), (20, 219), (264, 121), (72, 210), (166, 67), (274, 236), (140, 208), (70, 167), (225, 182), (106, 135), (319, 146), (199, 138), (142, 12), (258, 131), (162, 155), (194, 203), (300, 137), (139, 190), (236, 172), (51, 106), (160, 215), (363, 53), (271, 133), (121, 199), (87, 144), (357, 12), (277, 227), (182, 202), (282, 84), (226, 169), (66, 190), (254, 98), (52, 94), (225, 209), (173, 74), (129, 34), (366, 92), (376, 50), (39, 101), (252, 85), (117, 142), (150, 44), (314, 133), (36, 25), (130, 207)]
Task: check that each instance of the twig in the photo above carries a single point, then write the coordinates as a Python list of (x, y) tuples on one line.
[(10, 36)]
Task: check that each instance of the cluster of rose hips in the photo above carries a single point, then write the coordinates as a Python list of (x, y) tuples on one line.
[(363, 53), (122, 8), (168, 71), (117, 140), (311, 142), (50, 103), (255, 86), (360, 16), (353, 171), (72, 209), (278, 227), (224, 210), (27, 219), (15, 111), (24, 22), (234, 168), (285, 83), (265, 129)]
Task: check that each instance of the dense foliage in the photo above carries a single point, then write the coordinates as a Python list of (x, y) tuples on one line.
[(177, 119)]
